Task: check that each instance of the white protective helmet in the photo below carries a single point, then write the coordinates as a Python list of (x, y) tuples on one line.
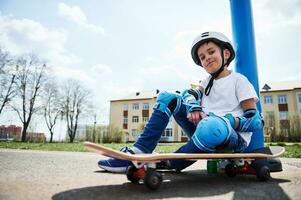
[(218, 38)]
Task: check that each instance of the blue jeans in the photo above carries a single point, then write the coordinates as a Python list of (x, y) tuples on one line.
[(158, 121)]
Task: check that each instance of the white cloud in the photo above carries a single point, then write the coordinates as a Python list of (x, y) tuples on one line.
[(275, 15), (96, 78), (76, 15), (167, 76), (286, 9), (102, 69), (77, 74), (72, 13), (277, 28), (20, 36), (181, 47)]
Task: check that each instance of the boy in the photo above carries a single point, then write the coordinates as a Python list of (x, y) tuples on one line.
[(220, 114)]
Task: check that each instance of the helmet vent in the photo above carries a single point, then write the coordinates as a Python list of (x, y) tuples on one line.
[(205, 34)]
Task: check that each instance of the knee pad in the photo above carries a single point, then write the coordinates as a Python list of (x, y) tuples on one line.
[(168, 102), (210, 133)]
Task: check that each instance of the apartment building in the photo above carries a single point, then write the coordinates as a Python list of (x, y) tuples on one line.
[(11, 132), (281, 108), (132, 112)]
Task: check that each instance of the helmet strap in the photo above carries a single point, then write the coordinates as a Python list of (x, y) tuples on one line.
[(215, 74)]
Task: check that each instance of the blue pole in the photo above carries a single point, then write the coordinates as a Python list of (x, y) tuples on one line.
[(246, 64)]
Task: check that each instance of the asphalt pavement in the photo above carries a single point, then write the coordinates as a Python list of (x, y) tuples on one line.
[(30, 175)]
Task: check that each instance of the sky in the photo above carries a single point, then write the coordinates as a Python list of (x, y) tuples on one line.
[(122, 46)]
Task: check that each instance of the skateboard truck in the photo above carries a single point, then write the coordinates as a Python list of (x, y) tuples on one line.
[(258, 167), (146, 172), (261, 167)]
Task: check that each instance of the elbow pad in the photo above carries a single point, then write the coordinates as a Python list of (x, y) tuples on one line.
[(250, 122), (192, 99)]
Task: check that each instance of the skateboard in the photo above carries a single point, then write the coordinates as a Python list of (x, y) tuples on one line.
[(144, 165)]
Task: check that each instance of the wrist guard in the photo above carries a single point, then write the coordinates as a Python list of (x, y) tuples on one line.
[(192, 99)]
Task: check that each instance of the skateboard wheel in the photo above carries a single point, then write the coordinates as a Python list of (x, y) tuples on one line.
[(229, 169), (130, 174), (263, 173), (153, 179)]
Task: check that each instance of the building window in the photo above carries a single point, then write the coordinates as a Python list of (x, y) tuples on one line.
[(268, 100), (282, 99), (135, 106), (299, 102), (125, 107), (145, 106), (283, 115), (167, 132), (135, 119), (145, 119), (299, 98), (125, 120)]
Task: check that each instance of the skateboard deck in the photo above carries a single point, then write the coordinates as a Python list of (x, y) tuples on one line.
[(144, 165), (268, 152)]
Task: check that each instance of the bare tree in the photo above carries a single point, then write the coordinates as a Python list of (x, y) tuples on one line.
[(75, 102), (7, 79), (51, 106), (29, 79), (91, 114)]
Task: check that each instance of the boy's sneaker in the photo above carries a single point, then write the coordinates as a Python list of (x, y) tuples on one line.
[(116, 165)]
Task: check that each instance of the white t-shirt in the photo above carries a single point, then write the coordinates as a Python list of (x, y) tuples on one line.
[(225, 97), (227, 93)]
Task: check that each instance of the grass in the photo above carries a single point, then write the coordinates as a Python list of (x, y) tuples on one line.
[(78, 146), (292, 150), (43, 146)]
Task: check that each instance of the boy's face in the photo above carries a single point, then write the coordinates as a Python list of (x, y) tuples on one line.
[(210, 56)]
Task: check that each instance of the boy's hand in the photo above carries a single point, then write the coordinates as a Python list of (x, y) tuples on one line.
[(196, 116)]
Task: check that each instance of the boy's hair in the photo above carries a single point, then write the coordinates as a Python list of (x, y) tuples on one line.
[(218, 38)]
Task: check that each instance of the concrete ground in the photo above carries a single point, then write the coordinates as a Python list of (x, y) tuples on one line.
[(26, 174)]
